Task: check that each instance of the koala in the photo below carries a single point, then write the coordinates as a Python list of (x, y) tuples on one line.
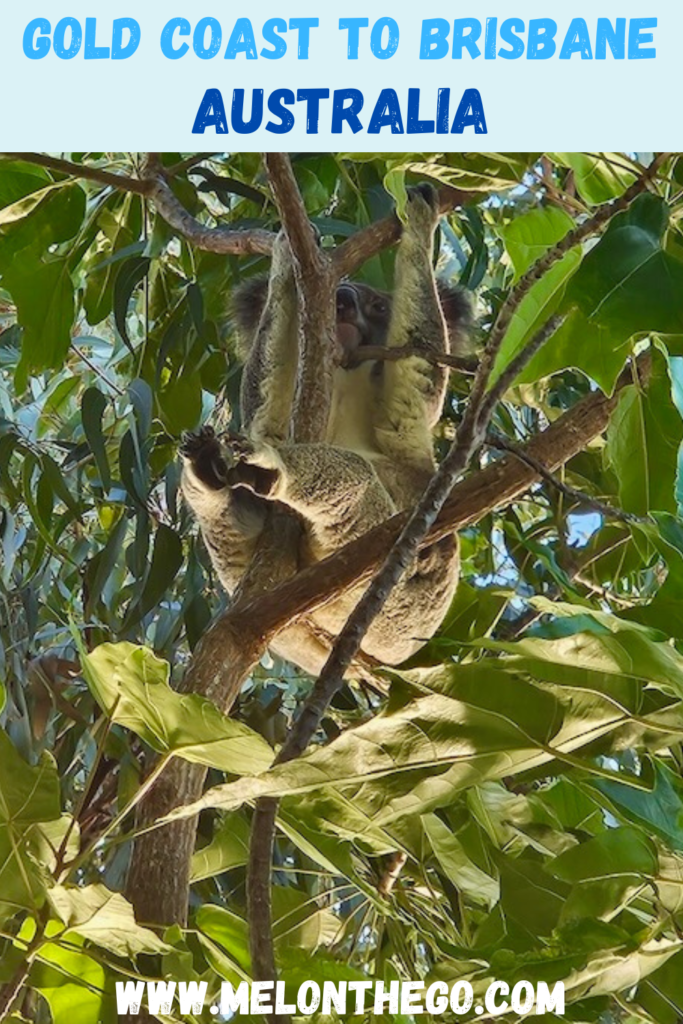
[(377, 456)]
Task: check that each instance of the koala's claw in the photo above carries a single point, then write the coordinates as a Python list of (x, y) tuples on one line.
[(204, 452), (192, 441), (422, 210), (425, 191), (239, 446)]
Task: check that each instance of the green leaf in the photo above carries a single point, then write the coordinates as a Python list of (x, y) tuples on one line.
[(19, 179), (457, 866), (643, 441), (132, 686), (44, 297), (529, 237), (480, 172), (102, 917), (395, 184), (93, 405), (167, 557), (659, 812), (180, 403), (535, 309), (119, 243), (29, 796), (42, 219), (229, 848), (618, 851), (129, 276), (598, 178)]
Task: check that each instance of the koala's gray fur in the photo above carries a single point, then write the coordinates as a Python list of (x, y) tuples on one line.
[(377, 457)]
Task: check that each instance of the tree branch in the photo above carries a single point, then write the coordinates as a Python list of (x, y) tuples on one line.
[(119, 181), (380, 353), (220, 240), (316, 290)]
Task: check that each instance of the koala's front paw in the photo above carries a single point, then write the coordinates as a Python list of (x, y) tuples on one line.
[(257, 468), (201, 450), (422, 210)]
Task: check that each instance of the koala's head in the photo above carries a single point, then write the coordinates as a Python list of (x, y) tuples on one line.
[(363, 314)]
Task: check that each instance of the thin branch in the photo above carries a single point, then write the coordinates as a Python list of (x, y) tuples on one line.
[(96, 369), (380, 353), (219, 240), (316, 291), (119, 181), (496, 440), (490, 400), (186, 164)]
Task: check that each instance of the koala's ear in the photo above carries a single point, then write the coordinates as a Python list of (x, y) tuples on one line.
[(457, 310), (248, 301)]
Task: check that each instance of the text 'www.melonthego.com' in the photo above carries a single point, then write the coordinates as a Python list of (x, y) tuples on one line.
[(378, 997)]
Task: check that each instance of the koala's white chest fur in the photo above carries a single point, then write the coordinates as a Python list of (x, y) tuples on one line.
[(354, 397)]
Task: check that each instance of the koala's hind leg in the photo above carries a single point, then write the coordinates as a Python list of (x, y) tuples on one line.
[(335, 491), (269, 377), (230, 521)]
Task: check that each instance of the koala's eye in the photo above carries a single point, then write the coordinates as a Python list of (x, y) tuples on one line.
[(380, 307)]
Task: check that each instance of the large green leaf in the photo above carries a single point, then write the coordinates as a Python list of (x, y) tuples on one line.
[(599, 177), (528, 237), (104, 918), (627, 284), (29, 796), (659, 812), (643, 441), (132, 686), (44, 297), (617, 851), (41, 219)]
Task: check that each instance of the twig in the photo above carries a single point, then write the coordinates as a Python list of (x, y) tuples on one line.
[(496, 440), (96, 369), (380, 353), (119, 181), (490, 400)]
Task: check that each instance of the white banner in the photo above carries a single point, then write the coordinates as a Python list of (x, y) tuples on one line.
[(301, 75)]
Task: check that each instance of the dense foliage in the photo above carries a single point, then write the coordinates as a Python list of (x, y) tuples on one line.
[(528, 762)]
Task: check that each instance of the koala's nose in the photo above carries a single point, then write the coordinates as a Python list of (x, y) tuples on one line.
[(347, 301)]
